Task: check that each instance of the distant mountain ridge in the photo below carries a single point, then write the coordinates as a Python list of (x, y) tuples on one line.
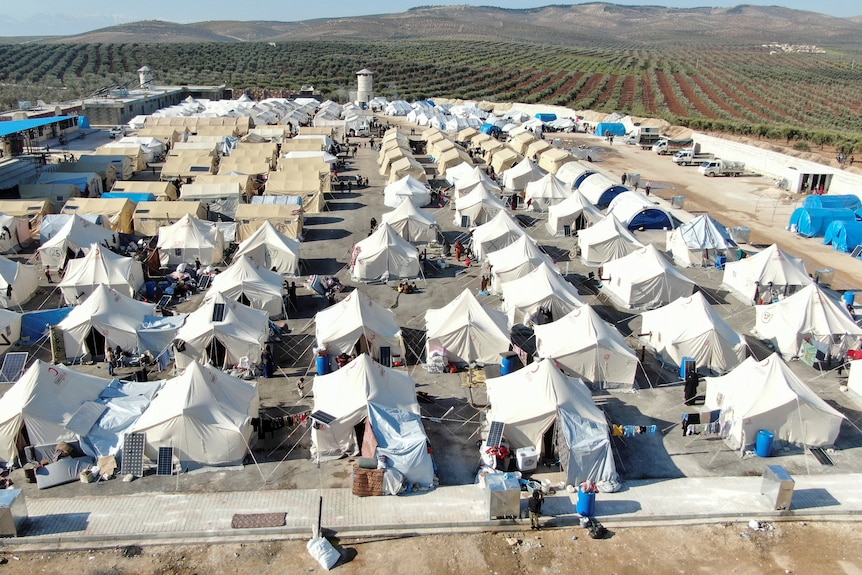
[(554, 25)]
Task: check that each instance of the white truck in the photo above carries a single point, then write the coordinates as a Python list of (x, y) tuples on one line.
[(688, 157), (667, 146), (719, 167), (643, 136)]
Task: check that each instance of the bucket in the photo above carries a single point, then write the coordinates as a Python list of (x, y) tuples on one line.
[(86, 476), (763, 446), (849, 297), (322, 364), (586, 504), (509, 363)]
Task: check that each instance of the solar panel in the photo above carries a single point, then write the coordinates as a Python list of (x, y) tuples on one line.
[(164, 301), (218, 312), (13, 366), (857, 251), (133, 454), (204, 282), (322, 417), (166, 461), (495, 434)]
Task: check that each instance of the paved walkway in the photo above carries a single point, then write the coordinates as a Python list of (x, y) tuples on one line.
[(206, 517)]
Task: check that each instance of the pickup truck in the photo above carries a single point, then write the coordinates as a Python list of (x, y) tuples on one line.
[(645, 140), (667, 146), (719, 167), (687, 157)]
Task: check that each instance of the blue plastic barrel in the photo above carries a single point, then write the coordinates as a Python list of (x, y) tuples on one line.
[(763, 446), (849, 297), (322, 364), (720, 262), (151, 290), (586, 503), (508, 364)]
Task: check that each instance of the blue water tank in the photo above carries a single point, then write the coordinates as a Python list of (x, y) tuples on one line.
[(849, 297), (83, 122), (509, 363), (586, 506), (763, 446), (323, 364)]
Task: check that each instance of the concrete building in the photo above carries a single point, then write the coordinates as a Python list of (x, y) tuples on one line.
[(365, 86)]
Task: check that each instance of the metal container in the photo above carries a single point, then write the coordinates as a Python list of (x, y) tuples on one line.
[(824, 276), (677, 202), (13, 512), (777, 485), (503, 494)]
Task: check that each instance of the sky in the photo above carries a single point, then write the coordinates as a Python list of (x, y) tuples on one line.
[(63, 17)]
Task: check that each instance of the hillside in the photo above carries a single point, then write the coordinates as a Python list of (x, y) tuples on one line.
[(606, 24)]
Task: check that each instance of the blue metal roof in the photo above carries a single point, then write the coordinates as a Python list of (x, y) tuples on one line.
[(15, 126)]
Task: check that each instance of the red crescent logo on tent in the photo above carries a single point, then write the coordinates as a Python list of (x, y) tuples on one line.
[(537, 367), (765, 362), (607, 356), (54, 370), (689, 300), (576, 313)]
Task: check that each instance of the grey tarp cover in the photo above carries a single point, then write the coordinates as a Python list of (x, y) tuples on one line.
[(584, 447), (124, 402), (156, 334), (401, 438)]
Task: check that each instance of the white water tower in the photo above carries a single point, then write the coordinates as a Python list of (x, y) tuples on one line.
[(365, 86), (145, 73)]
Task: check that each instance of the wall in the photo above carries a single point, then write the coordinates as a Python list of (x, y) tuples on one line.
[(775, 165)]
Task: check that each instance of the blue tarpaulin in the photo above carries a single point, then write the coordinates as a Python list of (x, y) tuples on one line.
[(847, 201), (546, 117), (489, 129), (134, 196), (812, 222), (34, 324), (844, 236), (15, 126)]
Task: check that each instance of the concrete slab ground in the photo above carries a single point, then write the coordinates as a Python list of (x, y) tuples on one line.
[(666, 475)]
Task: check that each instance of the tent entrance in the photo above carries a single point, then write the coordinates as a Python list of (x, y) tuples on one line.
[(244, 300), (216, 352), (94, 343), (548, 450)]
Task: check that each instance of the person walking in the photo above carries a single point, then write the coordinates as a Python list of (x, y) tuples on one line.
[(535, 507), (48, 274), (109, 359), (266, 362), (623, 178), (647, 187), (291, 296), (459, 250), (300, 387)]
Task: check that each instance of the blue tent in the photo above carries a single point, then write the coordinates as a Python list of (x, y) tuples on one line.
[(581, 178), (489, 129), (35, 324), (610, 128), (848, 201), (812, 222), (83, 122), (844, 236), (546, 117)]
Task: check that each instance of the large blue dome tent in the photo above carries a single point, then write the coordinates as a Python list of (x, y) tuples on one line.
[(847, 201), (843, 236), (812, 222)]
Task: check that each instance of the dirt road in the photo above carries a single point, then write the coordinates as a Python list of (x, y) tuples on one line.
[(726, 548)]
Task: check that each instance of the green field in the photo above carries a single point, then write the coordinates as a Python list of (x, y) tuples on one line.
[(796, 96)]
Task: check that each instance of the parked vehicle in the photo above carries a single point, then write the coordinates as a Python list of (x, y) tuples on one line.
[(719, 167), (667, 146), (687, 157), (643, 136)]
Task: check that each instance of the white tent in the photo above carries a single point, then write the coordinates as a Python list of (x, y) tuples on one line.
[(407, 188), (546, 192), (460, 172), (467, 331), (599, 189), (190, 238), (384, 256), (516, 260), (75, 235), (691, 328), (204, 414), (411, 223), (811, 315), (358, 325), (572, 172), (251, 284), (521, 174), (14, 232), (24, 280), (219, 199), (533, 399), (605, 241), (636, 211), (363, 389), (100, 266), (574, 213), (854, 379), (771, 270), (466, 184), (221, 332), (542, 288), (700, 242), (588, 347), (271, 249), (767, 395), (10, 329), (477, 207), (645, 279), (496, 234), (105, 318), (44, 400)]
